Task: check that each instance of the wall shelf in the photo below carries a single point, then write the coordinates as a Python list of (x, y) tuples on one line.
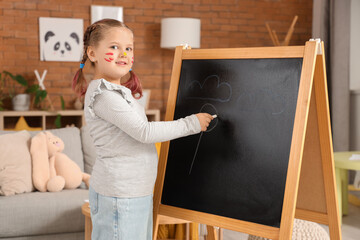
[(41, 119), (46, 119)]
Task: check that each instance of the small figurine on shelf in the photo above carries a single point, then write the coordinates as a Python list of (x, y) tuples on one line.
[(42, 86), (78, 105)]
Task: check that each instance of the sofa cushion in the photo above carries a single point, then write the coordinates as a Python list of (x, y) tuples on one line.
[(72, 141), (88, 149), (15, 163), (39, 213)]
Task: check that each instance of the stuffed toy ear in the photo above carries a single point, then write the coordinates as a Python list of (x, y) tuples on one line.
[(40, 161), (55, 144)]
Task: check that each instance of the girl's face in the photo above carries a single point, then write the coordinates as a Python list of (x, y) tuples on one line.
[(113, 56)]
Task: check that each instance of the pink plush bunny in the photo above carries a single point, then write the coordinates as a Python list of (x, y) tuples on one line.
[(53, 170)]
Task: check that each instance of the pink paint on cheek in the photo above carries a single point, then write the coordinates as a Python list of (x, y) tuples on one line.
[(109, 59)]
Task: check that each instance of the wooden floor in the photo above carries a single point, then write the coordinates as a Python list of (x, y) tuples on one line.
[(350, 227)]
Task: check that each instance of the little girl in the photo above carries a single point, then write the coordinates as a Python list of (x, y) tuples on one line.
[(124, 173)]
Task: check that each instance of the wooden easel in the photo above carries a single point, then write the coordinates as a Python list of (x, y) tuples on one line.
[(310, 190), (274, 37)]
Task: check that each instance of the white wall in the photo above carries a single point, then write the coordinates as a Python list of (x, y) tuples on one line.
[(355, 45), (355, 75), (355, 120)]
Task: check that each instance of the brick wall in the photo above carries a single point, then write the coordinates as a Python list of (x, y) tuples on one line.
[(224, 23)]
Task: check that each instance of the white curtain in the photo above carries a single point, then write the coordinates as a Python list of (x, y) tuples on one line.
[(331, 23)]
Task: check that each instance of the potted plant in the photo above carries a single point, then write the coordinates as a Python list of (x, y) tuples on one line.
[(21, 102), (6, 90)]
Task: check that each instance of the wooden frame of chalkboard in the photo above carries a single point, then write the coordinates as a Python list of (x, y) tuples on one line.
[(309, 191)]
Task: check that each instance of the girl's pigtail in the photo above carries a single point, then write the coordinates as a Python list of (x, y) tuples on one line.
[(134, 85), (79, 84)]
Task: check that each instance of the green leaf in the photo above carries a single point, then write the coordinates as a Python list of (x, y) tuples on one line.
[(32, 88), (40, 95), (62, 103), (58, 121), (43, 94), (37, 98), (21, 80), (9, 74)]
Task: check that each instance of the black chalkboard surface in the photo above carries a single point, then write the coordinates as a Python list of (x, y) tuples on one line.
[(238, 167)]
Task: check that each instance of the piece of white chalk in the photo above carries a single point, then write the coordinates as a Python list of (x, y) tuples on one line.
[(214, 116)]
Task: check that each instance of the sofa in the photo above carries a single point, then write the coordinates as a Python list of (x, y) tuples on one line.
[(46, 215)]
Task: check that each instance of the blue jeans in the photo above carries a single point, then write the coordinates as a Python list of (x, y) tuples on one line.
[(121, 218)]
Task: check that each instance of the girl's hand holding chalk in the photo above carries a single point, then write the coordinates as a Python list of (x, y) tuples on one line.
[(204, 119), (214, 116)]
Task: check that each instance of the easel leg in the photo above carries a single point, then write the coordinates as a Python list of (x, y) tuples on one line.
[(187, 231), (193, 230), (155, 227), (326, 146), (221, 232), (211, 233)]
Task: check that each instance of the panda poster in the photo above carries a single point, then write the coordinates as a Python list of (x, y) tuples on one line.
[(61, 39)]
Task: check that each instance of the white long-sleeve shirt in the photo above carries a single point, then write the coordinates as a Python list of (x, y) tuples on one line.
[(126, 162)]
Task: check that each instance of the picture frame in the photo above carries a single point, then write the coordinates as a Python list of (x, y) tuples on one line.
[(61, 39), (99, 12)]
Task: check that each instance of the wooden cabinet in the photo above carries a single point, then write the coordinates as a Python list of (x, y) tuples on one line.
[(41, 119), (46, 120)]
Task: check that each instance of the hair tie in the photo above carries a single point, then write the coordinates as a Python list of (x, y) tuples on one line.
[(82, 65)]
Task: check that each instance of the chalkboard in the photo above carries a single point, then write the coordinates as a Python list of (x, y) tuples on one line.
[(254, 170), (238, 167)]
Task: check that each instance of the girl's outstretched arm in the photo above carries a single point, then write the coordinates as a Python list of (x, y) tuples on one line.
[(116, 110)]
